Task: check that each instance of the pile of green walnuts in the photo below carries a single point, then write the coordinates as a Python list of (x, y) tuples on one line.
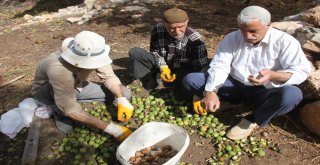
[(160, 106)]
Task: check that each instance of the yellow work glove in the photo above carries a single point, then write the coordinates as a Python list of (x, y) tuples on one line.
[(125, 109), (118, 131), (166, 74), (197, 107)]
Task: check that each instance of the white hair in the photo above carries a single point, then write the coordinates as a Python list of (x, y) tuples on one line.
[(243, 19), (251, 13)]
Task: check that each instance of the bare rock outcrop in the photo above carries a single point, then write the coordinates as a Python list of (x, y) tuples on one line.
[(310, 116), (312, 16), (305, 27)]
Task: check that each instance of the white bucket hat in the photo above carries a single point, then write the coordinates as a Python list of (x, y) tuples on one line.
[(86, 50)]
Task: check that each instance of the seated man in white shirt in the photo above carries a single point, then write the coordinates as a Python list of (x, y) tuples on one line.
[(256, 64)]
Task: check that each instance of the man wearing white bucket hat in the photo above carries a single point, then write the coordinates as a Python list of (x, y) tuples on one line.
[(61, 80), (256, 64)]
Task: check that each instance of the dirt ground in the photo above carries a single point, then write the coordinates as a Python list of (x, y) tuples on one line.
[(21, 50)]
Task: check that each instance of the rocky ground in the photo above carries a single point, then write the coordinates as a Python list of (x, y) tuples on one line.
[(22, 48)]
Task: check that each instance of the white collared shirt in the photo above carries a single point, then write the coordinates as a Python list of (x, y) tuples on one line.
[(278, 51)]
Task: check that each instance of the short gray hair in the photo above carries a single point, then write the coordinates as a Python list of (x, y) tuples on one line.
[(252, 13), (243, 19)]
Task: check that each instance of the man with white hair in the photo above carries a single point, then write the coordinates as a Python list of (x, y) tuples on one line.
[(256, 64), (61, 79)]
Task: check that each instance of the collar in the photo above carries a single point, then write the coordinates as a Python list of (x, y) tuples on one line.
[(266, 37)]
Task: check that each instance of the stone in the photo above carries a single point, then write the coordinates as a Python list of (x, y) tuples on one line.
[(310, 116), (136, 16), (89, 4), (296, 17), (101, 4), (134, 8), (304, 36), (73, 19), (83, 20), (119, 1), (289, 26), (316, 38), (87, 16), (27, 17), (312, 16), (310, 46), (311, 87), (37, 18), (106, 13), (94, 12)]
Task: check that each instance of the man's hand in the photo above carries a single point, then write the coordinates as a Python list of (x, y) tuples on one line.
[(264, 75), (118, 131), (197, 107), (211, 101), (269, 75), (166, 74), (125, 109)]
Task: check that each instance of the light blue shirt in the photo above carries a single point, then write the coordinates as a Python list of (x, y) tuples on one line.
[(278, 51)]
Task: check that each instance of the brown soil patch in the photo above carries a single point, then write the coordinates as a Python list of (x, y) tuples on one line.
[(22, 49)]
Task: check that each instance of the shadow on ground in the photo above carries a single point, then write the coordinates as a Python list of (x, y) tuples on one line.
[(47, 6)]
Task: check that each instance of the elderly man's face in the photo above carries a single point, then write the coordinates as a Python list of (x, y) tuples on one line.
[(176, 30), (254, 31)]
